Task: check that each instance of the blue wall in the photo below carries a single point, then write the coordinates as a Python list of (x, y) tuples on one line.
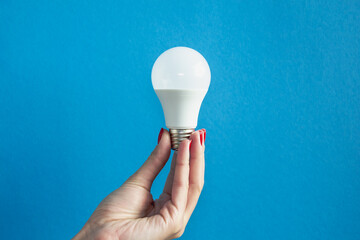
[(78, 114)]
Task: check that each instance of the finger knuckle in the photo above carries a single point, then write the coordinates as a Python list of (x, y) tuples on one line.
[(178, 224), (179, 231), (181, 163), (180, 184), (178, 234), (198, 188), (155, 158)]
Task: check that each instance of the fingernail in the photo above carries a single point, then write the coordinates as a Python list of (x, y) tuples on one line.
[(201, 137), (204, 135), (190, 144), (160, 134)]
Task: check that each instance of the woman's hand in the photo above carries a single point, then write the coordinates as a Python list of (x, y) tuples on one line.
[(130, 211)]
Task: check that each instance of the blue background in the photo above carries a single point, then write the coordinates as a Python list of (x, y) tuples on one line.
[(78, 114)]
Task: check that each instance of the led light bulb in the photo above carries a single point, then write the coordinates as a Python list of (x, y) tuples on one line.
[(181, 78)]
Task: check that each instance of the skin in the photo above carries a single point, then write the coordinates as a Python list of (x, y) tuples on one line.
[(130, 211)]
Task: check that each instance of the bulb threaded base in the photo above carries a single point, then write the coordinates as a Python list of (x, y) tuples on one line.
[(178, 135)]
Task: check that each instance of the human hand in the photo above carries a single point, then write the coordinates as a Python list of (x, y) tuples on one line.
[(130, 211)]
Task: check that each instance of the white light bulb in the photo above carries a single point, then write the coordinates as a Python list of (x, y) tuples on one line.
[(181, 78)]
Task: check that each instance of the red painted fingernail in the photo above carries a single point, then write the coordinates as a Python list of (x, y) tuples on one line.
[(204, 135), (160, 134), (190, 144), (201, 137)]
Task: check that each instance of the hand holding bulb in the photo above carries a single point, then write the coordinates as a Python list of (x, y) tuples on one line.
[(181, 77), (130, 211)]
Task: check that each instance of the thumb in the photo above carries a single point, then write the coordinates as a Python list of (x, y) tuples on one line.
[(147, 173)]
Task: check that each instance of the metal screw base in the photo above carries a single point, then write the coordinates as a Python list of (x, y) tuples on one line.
[(177, 135)]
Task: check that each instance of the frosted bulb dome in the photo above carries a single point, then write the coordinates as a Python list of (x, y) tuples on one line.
[(181, 68)]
